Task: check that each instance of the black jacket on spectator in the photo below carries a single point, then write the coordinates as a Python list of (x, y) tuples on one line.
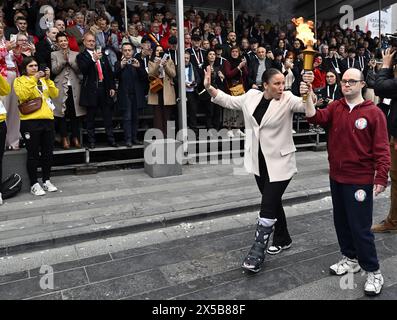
[(349, 63), (131, 80), (43, 52), (254, 66), (386, 87), (201, 54), (89, 85), (144, 62)]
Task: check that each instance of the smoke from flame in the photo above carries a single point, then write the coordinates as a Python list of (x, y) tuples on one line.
[(304, 30)]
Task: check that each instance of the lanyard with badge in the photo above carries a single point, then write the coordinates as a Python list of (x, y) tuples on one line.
[(362, 63), (329, 93), (199, 62), (41, 87), (336, 68)]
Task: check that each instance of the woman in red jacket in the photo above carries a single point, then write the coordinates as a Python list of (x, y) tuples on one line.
[(236, 73), (319, 74)]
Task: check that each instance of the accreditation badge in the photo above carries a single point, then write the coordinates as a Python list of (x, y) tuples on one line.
[(360, 195), (361, 124)]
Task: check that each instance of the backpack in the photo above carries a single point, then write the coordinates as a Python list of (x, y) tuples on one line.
[(11, 186)]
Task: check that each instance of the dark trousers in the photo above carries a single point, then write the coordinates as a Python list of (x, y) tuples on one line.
[(39, 139), (271, 206), (70, 114), (213, 115), (107, 115), (130, 118), (192, 106), (353, 221), (3, 134), (162, 114)]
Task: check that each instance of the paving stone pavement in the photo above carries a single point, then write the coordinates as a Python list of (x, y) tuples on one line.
[(201, 261), (123, 202)]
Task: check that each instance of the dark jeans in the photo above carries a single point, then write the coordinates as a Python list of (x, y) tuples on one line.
[(271, 206), (70, 114), (39, 139), (213, 115), (107, 115), (353, 221), (192, 106), (3, 134), (130, 119)]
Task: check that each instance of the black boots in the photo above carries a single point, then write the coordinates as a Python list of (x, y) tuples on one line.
[(256, 256)]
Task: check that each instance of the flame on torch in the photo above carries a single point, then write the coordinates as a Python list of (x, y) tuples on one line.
[(305, 33)]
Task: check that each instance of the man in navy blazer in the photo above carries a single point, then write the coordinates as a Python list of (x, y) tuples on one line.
[(97, 89), (132, 78)]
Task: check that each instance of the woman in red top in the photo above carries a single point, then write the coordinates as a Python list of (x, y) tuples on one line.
[(319, 74)]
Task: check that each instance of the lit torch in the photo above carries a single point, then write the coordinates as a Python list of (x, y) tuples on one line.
[(306, 35)]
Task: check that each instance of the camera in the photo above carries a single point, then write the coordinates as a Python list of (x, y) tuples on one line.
[(42, 67), (129, 61)]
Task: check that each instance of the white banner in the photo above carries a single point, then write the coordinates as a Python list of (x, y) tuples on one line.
[(372, 22)]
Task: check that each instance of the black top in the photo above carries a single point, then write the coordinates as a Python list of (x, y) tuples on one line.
[(261, 110)]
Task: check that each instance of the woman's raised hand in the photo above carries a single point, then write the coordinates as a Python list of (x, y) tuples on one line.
[(207, 78)]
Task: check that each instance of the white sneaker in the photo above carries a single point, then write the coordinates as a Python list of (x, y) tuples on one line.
[(344, 266), (230, 134), (374, 283), (48, 186), (37, 190), (273, 250)]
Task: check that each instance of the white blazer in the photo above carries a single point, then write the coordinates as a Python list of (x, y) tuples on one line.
[(274, 133)]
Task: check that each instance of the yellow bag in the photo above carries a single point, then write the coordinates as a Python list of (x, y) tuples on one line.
[(237, 90)]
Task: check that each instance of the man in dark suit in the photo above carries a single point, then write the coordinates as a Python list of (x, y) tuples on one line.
[(132, 77), (258, 66), (98, 88), (46, 46)]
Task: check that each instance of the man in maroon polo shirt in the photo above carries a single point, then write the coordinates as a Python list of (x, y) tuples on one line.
[(359, 158)]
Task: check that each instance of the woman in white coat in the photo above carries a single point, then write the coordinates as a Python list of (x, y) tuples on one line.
[(269, 154)]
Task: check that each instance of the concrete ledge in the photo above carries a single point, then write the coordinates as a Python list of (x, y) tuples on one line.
[(163, 158)]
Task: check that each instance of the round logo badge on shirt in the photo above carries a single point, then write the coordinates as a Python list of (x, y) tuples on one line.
[(361, 123), (360, 195)]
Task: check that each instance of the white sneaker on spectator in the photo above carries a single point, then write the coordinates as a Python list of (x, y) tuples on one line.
[(374, 283), (344, 266), (37, 190), (48, 186), (230, 134)]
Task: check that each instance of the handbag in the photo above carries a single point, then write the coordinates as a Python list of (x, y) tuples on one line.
[(30, 106), (156, 84), (237, 90)]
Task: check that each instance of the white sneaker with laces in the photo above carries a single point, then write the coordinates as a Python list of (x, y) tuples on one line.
[(344, 266), (230, 134), (48, 186), (37, 190), (374, 283)]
